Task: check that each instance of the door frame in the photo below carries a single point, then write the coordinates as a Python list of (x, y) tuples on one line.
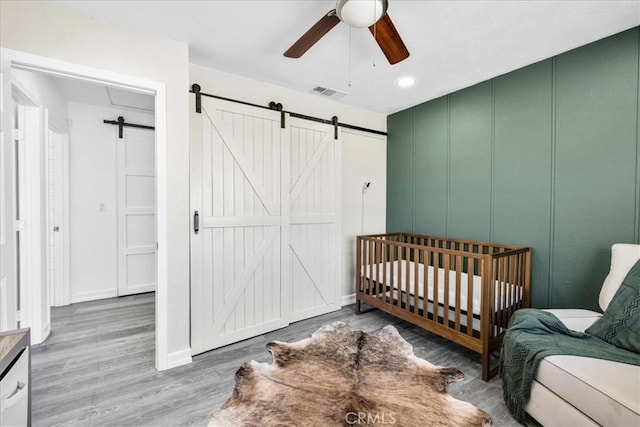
[(60, 68)]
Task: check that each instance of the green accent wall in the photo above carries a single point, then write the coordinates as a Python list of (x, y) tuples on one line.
[(400, 203), (546, 156)]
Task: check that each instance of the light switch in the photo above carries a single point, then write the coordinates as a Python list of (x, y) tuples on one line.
[(102, 207)]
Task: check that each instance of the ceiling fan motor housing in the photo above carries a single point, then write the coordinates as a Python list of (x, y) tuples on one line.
[(361, 13)]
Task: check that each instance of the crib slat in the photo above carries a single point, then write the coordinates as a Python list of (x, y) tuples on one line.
[(386, 287), (425, 283), (503, 291), (523, 269), (385, 256), (398, 286), (521, 287), (446, 290), (436, 286), (371, 266), (513, 267), (492, 294), (407, 278), (358, 265), (396, 273), (458, 291), (379, 279), (471, 266), (399, 274), (416, 281), (365, 261)]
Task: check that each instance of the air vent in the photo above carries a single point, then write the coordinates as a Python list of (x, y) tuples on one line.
[(329, 93)]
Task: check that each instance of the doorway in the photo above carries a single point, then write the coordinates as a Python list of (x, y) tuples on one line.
[(14, 59), (90, 236)]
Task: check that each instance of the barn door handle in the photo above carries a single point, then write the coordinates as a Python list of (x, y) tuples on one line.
[(196, 222)]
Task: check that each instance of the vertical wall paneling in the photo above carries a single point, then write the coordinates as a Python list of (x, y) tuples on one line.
[(400, 171), (493, 160), (470, 163), (552, 207), (595, 164), (547, 156), (522, 165), (638, 148), (431, 167)]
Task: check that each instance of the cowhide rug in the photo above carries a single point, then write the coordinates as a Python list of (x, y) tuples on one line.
[(342, 377)]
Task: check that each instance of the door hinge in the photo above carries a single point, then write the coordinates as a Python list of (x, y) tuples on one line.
[(20, 225), (18, 134)]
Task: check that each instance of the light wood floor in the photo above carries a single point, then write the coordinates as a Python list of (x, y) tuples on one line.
[(97, 367)]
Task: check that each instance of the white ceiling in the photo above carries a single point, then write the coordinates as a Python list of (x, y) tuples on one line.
[(453, 44), (95, 94)]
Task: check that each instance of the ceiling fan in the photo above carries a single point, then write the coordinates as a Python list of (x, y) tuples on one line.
[(357, 14)]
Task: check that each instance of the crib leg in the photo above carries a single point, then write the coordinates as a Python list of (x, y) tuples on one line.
[(486, 366), (487, 371), (359, 309)]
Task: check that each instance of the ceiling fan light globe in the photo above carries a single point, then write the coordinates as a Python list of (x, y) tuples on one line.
[(360, 13)]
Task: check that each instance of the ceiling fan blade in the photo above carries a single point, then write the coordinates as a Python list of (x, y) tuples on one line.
[(315, 33), (389, 40)]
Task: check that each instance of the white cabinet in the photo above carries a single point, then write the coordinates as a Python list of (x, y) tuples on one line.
[(14, 380)]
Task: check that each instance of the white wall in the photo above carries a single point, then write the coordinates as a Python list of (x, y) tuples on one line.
[(93, 166), (363, 154), (364, 158), (56, 32)]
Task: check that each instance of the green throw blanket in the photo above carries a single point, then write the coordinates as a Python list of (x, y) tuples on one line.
[(534, 334)]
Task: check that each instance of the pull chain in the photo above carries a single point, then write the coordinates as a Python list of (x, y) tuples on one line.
[(375, 23), (349, 56)]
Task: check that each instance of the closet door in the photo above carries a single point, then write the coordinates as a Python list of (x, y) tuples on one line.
[(238, 286), (136, 211), (315, 194)]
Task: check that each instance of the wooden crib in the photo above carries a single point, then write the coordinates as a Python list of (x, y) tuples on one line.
[(462, 290)]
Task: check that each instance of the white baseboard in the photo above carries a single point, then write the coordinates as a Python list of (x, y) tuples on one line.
[(93, 295), (348, 299), (179, 358)]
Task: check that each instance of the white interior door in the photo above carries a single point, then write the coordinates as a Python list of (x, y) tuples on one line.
[(8, 282), (136, 211), (30, 139), (315, 219), (239, 184), (58, 218)]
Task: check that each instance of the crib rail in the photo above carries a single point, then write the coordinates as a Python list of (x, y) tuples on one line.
[(461, 289)]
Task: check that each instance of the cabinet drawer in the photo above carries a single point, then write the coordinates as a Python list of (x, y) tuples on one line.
[(14, 393)]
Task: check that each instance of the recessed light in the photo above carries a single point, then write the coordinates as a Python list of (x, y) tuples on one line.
[(406, 81)]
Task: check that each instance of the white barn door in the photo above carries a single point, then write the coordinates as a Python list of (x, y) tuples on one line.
[(315, 219), (238, 286), (136, 211)]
